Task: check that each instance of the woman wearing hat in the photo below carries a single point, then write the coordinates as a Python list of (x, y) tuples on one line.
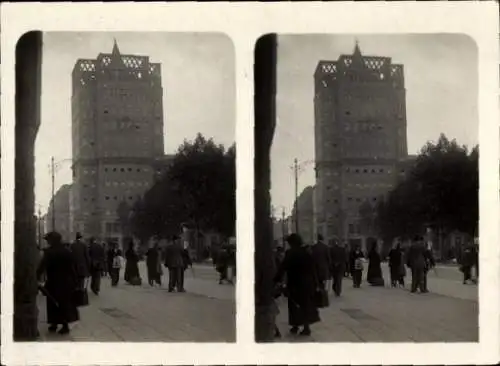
[(301, 285), (59, 267)]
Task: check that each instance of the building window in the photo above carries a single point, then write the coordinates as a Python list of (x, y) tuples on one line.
[(105, 169), (351, 229), (129, 169), (114, 169), (122, 170), (116, 198), (107, 198)]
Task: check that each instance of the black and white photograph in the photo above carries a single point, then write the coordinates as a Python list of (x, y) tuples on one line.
[(374, 187), (133, 186)]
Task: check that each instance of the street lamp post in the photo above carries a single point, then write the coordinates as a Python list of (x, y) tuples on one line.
[(52, 172)]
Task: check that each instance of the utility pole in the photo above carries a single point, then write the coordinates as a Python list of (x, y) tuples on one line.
[(52, 170), (283, 225), (296, 173), (39, 228)]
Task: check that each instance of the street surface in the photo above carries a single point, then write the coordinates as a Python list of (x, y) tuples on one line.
[(205, 313), (448, 313)]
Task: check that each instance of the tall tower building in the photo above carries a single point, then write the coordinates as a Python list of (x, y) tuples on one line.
[(117, 135), (360, 139)]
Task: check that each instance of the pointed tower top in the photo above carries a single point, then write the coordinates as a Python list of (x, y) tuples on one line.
[(116, 57), (357, 51), (116, 50)]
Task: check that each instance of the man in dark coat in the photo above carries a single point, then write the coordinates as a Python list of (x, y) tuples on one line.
[(301, 285), (175, 262), (468, 261), (321, 256), (58, 265), (97, 259), (419, 261), (82, 258), (153, 262), (339, 258)]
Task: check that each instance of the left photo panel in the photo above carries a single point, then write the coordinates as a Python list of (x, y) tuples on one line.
[(125, 187)]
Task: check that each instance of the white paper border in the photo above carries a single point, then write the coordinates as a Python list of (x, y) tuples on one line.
[(244, 23)]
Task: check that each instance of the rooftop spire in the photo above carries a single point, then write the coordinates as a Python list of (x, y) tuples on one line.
[(116, 50), (357, 51), (116, 57)]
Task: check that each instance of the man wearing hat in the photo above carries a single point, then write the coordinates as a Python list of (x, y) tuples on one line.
[(420, 261), (174, 261), (97, 259), (59, 268)]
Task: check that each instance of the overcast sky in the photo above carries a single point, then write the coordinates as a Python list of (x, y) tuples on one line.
[(198, 79), (441, 94)]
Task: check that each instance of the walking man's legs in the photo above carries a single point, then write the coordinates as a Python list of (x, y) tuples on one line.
[(338, 282), (172, 280), (415, 279), (95, 282), (180, 280)]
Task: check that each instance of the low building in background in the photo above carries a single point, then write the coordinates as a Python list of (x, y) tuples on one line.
[(58, 215)]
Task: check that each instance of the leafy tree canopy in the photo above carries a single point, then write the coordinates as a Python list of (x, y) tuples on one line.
[(199, 189), (440, 191)]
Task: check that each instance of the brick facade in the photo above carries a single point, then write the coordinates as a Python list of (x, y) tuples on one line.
[(360, 139), (117, 112)]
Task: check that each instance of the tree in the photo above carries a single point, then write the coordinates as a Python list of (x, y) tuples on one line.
[(198, 189), (441, 191)]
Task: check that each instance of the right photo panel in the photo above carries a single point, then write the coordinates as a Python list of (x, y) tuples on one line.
[(366, 188)]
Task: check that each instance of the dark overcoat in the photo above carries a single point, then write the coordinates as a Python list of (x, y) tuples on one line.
[(175, 256), (59, 266), (321, 255), (82, 258), (97, 257), (339, 258), (298, 266), (153, 262), (131, 267), (374, 267)]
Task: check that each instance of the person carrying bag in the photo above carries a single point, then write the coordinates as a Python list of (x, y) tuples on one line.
[(81, 295)]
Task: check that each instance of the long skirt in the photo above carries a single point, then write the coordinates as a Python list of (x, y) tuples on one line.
[(374, 275), (62, 312), (131, 271), (302, 311)]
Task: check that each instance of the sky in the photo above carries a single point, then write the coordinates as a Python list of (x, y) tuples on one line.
[(199, 91), (441, 80)]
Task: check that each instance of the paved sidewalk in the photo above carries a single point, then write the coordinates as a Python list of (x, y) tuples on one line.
[(205, 313), (383, 314)]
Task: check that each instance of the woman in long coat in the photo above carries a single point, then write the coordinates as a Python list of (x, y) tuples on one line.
[(397, 266), (132, 266), (302, 283), (59, 267), (153, 262), (374, 276)]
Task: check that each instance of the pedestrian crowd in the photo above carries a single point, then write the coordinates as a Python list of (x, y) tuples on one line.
[(65, 272), (306, 272)]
